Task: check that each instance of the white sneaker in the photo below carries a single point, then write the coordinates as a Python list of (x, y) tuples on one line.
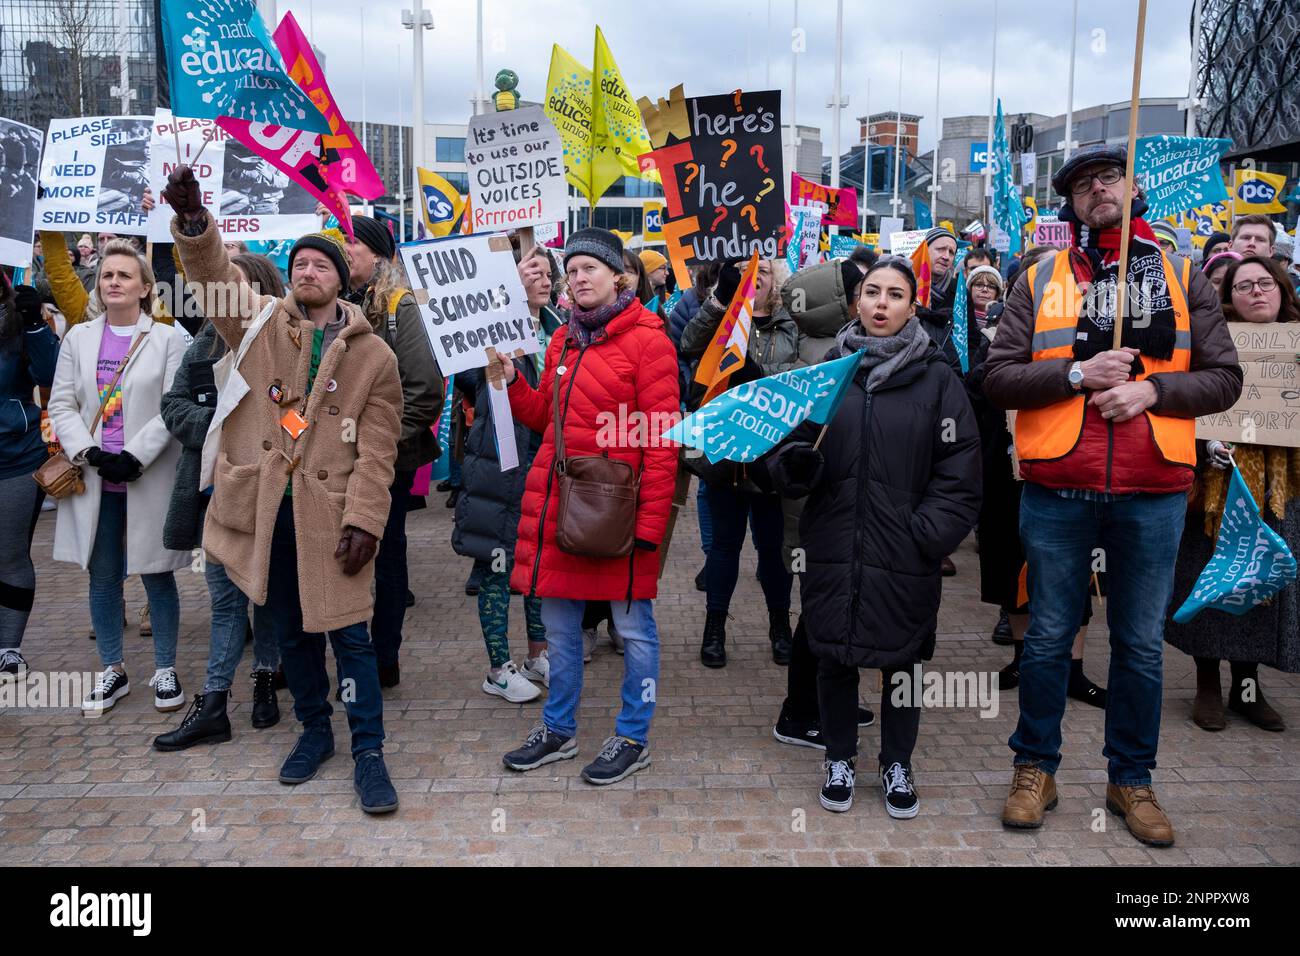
[(588, 644), (109, 689), (615, 638), (512, 686), (167, 693), (539, 669)]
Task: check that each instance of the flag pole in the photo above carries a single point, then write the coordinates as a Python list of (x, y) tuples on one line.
[(1121, 289)]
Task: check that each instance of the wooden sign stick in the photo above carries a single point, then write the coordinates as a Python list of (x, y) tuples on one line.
[(1121, 290)]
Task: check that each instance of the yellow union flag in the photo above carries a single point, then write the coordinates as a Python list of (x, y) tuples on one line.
[(569, 106), (440, 203), (618, 134), (1256, 192)]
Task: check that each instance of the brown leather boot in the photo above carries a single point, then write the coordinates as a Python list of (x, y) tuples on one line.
[(1143, 816), (1257, 710), (1207, 707), (1033, 792)]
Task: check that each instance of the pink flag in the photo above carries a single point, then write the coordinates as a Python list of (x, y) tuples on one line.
[(328, 167)]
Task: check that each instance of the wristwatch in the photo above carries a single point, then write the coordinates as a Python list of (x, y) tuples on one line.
[(1076, 376)]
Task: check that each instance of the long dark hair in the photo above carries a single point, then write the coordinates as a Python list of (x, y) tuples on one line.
[(11, 323), (897, 264), (1288, 308)]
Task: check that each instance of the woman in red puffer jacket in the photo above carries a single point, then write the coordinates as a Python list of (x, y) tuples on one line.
[(618, 393)]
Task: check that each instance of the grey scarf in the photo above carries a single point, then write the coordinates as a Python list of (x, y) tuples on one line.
[(883, 354)]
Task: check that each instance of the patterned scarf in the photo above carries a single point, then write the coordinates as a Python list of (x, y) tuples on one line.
[(884, 354), (588, 326), (1094, 259)]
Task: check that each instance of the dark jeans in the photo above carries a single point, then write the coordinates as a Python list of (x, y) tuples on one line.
[(837, 690), (1138, 535), (303, 654), (730, 511), (391, 577)]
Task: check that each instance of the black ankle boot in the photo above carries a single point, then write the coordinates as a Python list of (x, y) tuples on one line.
[(205, 723), (266, 709), (778, 632), (713, 652)]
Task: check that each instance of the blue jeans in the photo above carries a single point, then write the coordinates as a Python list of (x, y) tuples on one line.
[(1138, 535), (107, 571), (229, 625), (706, 519), (563, 620), (303, 654), (733, 513), (391, 576)]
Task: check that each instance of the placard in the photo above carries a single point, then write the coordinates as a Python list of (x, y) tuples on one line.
[(93, 175), (20, 167), (905, 243), (470, 299), (890, 225), (1268, 411), (192, 133), (516, 170), (1052, 233), (839, 206)]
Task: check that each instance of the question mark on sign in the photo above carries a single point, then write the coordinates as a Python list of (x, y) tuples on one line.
[(695, 171), (757, 150), (749, 211), (722, 214), (768, 185), (736, 95), (729, 150)]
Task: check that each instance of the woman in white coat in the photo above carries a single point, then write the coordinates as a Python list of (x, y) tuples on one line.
[(125, 361)]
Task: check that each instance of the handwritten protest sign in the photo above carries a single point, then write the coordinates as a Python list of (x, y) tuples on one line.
[(470, 299), (94, 173), (516, 170), (721, 176), (1053, 233), (20, 167), (192, 134), (1268, 412), (839, 206)]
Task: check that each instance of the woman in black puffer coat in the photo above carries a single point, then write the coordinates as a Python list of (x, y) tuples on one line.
[(893, 488)]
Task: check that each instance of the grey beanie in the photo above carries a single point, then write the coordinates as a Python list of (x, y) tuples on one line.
[(599, 244), (938, 232)]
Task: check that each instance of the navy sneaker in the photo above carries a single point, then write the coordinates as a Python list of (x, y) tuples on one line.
[(808, 733), (619, 758), (370, 780), (837, 791), (313, 748), (541, 747), (901, 801)]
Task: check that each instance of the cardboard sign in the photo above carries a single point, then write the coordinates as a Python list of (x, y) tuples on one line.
[(1268, 412), (806, 231), (20, 167), (516, 170), (905, 243), (722, 182), (93, 175), (1052, 233), (839, 206), (470, 299), (890, 225)]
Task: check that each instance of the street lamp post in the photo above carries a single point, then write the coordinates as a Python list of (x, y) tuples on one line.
[(417, 21)]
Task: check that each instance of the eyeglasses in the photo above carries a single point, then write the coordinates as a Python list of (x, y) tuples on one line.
[(1107, 177), (1246, 286)]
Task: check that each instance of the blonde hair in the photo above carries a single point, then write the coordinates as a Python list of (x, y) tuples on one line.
[(384, 284), (123, 247), (779, 276)]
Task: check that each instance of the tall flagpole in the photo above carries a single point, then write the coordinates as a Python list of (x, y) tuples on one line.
[(401, 163), (1068, 146), (1121, 289), (866, 158), (478, 97), (988, 146), (898, 138), (938, 135), (1191, 80)]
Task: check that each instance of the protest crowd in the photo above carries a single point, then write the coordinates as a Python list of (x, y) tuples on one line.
[(276, 437)]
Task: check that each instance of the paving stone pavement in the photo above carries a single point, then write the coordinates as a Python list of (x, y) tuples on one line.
[(720, 789)]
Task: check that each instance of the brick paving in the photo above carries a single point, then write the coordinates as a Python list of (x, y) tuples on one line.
[(720, 790)]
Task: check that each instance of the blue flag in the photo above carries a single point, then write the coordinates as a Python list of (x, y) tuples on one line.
[(442, 464), (842, 246), (794, 248), (672, 302), (1179, 173), (221, 61), (1008, 210), (923, 218), (749, 420), (1251, 562), (959, 310)]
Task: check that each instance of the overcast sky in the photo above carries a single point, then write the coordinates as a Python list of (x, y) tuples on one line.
[(717, 45)]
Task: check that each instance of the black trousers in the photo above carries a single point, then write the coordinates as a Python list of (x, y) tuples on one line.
[(837, 693)]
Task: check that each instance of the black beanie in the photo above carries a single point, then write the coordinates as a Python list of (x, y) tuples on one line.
[(331, 248), (375, 235), (852, 278)]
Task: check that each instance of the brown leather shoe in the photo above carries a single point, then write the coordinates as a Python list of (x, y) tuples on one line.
[(1207, 708), (1258, 711), (1143, 816), (1033, 792)]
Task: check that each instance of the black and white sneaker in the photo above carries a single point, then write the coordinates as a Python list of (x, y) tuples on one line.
[(901, 800), (111, 687), (837, 791), (541, 747), (12, 663), (618, 758), (808, 733), (167, 693)]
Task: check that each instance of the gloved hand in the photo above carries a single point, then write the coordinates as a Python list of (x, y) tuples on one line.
[(122, 467), (185, 196), (1220, 454), (796, 469), (728, 282), (96, 456), (356, 549), (27, 303)]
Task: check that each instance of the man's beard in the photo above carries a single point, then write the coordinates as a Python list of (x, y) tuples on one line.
[(313, 296), (1105, 218)]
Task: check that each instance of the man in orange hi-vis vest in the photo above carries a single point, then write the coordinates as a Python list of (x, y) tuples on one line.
[(1107, 447)]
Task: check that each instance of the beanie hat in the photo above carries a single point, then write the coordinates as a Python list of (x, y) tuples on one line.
[(374, 235), (987, 271), (938, 232), (329, 246), (1227, 255), (599, 244), (652, 260), (1164, 230)]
